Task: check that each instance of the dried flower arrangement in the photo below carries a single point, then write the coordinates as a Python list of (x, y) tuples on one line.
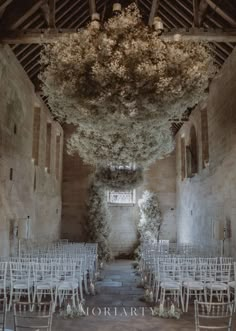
[(118, 80), (98, 221), (120, 84), (140, 143), (151, 219), (71, 312), (119, 179), (171, 311)]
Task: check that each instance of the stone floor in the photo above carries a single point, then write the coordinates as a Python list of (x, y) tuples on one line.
[(118, 292), (117, 306)]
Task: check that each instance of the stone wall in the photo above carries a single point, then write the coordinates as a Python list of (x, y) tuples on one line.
[(75, 184), (206, 201), (30, 177)]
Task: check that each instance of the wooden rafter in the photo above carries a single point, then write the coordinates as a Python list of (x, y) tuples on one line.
[(49, 11), (49, 36), (66, 14), (3, 5), (218, 10), (196, 21), (203, 5), (153, 12), (52, 11), (21, 16), (92, 7), (178, 15), (75, 12)]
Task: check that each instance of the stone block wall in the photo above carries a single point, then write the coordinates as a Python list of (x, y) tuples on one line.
[(75, 186), (30, 185), (206, 202)]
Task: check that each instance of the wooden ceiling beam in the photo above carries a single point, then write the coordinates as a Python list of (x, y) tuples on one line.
[(33, 58), (52, 35), (223, 14), (81, 21), (165, 20), (3, 6), (185, 6), (32, 73), (49, 12), (63, 18), (196, 20), (214, 50), (92, 7), (29, 68), (52, 13), (153, 12), (203, 5), (21, 16), (70, 15), (175, 13)]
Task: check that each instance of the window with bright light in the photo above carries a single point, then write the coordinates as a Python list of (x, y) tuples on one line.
[(121, 197), (126, 197)]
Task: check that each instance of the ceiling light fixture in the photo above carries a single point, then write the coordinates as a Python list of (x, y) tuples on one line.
[(158, 25)]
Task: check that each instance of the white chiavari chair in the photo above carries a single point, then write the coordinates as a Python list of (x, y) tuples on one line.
[(21, 281), (170, 275), (68, 284), (3, 278), (213, 316), (218, 281), (35, 317)]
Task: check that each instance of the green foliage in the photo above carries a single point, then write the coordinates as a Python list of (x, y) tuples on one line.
[(98, 221), (151, 219)]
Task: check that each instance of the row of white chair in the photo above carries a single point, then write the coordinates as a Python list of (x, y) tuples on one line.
[(184, 277), (59, 273)]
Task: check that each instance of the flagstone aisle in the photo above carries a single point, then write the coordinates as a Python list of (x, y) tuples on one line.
[(117, 306)]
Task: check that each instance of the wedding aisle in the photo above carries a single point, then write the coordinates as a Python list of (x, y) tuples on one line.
[(117, 306)]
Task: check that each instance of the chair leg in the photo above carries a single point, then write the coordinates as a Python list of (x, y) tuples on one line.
[(29, 298), (11, 295), (163, 296), (73, 298), (187, 300), (181, 299), (205, 294), (81, 291), (211, 294), (157, 290), (34, 294), (86, 283)]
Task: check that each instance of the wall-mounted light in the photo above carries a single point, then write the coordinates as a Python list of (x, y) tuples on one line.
[(158, 25)]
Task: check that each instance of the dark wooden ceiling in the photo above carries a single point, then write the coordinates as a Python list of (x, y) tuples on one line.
[(22, 15)]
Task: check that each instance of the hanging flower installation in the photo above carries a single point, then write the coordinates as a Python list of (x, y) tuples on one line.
[(119, 179), (142, 143), (122, 84)]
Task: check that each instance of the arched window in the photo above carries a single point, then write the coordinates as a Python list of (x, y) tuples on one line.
[(205, 143), (182, 151), (193, 151), (36, 135)]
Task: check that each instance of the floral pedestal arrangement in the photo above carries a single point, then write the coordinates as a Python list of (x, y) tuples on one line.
[(168, 311), (71, 312)]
